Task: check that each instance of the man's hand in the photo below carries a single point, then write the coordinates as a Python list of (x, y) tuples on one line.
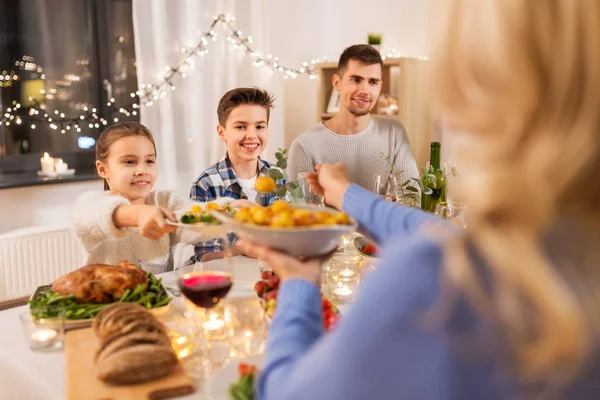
[(331, 182)]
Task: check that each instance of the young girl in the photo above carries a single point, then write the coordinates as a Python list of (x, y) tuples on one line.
[(105, 222)]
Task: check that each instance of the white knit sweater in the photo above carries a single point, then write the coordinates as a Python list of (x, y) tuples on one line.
[(92, 221), (361, 151)]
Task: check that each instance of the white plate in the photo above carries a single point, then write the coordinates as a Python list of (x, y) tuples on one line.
[(217, 387), (217, 229), (69, 172), (310, 241)]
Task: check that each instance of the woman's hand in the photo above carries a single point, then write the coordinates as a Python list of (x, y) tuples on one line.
[(286, 267), (151, 220), (331, 182)]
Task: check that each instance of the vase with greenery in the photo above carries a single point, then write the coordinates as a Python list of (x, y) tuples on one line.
[(291, 191)]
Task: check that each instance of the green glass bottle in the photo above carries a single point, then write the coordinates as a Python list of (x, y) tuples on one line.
[(438, 184)]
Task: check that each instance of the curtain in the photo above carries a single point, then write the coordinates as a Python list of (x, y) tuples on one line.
[(184, 121)]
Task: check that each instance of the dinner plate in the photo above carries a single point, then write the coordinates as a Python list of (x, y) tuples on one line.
[(85, 323), (299, 241), (217, 387), (211, 229), (360, 243)]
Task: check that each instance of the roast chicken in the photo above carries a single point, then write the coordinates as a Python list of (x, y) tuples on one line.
[(99, 283)]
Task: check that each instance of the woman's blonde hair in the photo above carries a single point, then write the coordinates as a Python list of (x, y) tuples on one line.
[(525, 76)]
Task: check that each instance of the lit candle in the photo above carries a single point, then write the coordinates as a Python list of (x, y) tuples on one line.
[(43, 337), (215, 327), (47, 164), (343, 292), (61, 166), (347, 273)]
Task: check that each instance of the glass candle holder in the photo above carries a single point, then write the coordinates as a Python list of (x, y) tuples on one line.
[(343, 277), (183, 323), (248, 326), (44, 331), (215, 322)]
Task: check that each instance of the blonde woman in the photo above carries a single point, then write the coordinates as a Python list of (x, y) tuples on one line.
[(509, 307)]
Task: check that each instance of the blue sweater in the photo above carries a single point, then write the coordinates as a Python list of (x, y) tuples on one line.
[(391, 344)]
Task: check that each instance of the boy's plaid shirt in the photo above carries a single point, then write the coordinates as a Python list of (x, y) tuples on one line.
[(220, 181)]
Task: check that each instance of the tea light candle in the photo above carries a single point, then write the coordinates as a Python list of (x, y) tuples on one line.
[(347, 274), (43, 337), (61, 166), (343, 292), (47, 163), (214, 327)]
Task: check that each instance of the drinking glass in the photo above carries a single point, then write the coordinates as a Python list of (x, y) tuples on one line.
[(310, 197), (453, 211)]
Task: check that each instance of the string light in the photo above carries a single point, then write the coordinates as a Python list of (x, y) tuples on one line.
[(148, 94)]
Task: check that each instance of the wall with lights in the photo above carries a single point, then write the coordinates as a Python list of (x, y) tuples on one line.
[(295, 32)]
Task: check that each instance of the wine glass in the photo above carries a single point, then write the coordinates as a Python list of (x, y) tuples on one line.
[(453, 211), (206, 283), (384, 185)]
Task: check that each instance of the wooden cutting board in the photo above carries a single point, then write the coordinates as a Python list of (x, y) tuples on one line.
[(82, 383)]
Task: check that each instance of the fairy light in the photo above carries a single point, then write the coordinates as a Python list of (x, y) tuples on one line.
[(148, 94)]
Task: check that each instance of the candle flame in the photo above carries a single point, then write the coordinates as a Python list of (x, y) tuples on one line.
[(46, 156)]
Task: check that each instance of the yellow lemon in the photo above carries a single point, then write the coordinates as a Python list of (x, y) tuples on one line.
[(196, 209), (264, 184)]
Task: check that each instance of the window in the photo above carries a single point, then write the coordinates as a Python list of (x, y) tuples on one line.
[(62, 59)]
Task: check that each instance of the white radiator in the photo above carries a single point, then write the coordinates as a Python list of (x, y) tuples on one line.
[(36, 256)]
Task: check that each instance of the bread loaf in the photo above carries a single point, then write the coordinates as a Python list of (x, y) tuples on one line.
[(134, 345)]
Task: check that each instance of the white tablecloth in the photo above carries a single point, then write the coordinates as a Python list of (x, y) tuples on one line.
[(25, 374)]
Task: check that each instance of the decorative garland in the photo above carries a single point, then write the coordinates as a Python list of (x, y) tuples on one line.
[(149, 93)]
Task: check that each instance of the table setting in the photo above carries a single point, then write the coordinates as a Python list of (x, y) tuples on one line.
[(214, 315)]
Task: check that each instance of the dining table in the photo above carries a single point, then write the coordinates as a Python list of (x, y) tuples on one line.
[(25, 374)]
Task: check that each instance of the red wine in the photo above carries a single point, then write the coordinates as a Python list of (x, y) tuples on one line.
[(205, 288)]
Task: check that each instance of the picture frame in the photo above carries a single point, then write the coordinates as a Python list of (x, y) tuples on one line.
[(334, 102)]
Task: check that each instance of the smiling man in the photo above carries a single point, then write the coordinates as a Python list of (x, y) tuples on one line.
[(353, 136)]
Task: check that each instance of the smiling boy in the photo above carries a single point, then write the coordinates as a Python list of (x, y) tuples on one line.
[(244, 127), (352, 136)]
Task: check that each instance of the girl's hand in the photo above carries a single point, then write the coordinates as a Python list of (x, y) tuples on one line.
[(286, 267), (331, 182), (151, 220)]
